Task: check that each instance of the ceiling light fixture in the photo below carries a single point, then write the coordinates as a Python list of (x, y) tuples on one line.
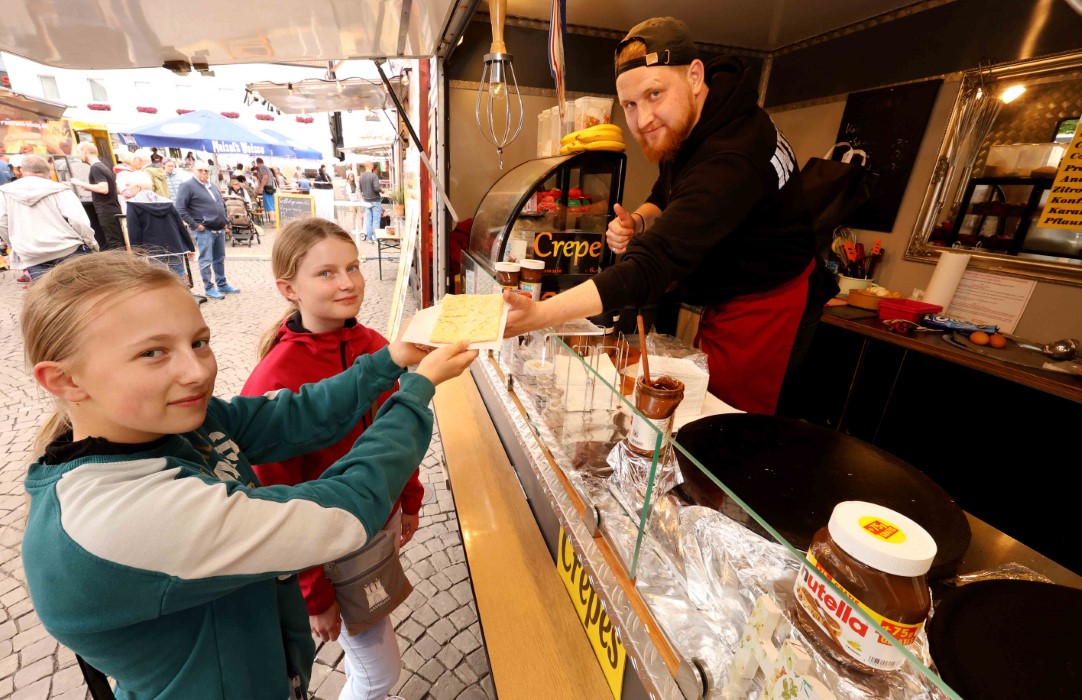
[(1012, 93)]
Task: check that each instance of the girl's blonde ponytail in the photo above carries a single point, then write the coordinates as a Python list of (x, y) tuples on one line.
[(269, 339), (55, 425)]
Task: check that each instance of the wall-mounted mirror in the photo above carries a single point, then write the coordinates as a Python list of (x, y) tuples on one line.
[(1008, 134)]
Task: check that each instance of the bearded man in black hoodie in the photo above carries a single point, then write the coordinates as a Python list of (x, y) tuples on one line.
[(726, 224)]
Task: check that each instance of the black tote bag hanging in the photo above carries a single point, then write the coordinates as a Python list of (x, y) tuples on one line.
[(835, 186)]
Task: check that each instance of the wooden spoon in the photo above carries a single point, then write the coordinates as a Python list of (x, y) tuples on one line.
[(645, 355)]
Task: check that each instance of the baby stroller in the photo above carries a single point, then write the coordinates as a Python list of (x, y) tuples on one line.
[(242, 227)]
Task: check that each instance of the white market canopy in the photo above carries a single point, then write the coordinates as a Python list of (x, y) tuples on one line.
[(150, 33), (316, 95)]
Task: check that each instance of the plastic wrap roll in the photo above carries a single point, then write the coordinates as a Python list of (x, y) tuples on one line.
[(948, 273)]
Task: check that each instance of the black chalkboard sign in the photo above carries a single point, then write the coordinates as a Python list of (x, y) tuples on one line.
[(288, 207), (888, 124)]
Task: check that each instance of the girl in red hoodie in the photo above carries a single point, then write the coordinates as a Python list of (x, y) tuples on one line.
[(317, 270)]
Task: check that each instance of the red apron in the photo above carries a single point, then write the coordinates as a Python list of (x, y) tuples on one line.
[(747, 341)]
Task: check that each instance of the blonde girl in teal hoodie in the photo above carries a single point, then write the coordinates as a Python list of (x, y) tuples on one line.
[(150, 549)]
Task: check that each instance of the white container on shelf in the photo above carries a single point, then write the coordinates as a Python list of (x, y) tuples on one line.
[(542, 136), (555, 130), (591, 111), (1021, 159), (568, 124), (1038, 155), (1001, 159)]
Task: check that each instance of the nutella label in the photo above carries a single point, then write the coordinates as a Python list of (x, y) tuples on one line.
[(532, 288), (643, 437), (848, 628)]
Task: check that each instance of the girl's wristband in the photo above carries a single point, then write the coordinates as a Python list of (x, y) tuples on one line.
[(641, 219)]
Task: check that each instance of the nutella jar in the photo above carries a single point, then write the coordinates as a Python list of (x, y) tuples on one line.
[(530, 277), (657, 403), (507, 274), (879, 559)]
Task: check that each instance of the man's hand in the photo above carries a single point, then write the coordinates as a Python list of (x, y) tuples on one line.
[(620, 230), (328, 624), (523, 316), (409, 527), (200, 228)]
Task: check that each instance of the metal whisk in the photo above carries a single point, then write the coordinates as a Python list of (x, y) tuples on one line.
[(497, 70)]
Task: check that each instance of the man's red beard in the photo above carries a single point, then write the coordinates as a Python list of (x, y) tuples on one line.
[(672, 136)]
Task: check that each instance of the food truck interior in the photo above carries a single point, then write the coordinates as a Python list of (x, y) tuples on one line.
[(966, 109)]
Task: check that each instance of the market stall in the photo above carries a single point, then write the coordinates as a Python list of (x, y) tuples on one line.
[(682, 577)]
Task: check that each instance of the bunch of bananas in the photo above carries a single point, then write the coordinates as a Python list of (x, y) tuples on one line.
[(601, 137)]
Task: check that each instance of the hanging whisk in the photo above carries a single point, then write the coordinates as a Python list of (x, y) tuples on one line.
[(498, 71)]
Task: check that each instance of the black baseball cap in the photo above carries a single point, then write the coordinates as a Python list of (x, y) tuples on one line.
[(668, 43)]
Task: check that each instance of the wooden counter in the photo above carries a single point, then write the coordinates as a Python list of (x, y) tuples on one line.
[(1065, 385), (535, 642)]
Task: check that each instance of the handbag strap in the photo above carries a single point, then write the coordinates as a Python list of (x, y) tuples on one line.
[(829, 155), (847, 157), (96, 681)]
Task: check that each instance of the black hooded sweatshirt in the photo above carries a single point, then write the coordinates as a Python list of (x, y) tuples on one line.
[(734, 218), (157, 228)]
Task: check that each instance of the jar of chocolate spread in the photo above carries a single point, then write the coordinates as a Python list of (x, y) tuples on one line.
[(657, 403), (530, 277), (879, 558), (507, 274)]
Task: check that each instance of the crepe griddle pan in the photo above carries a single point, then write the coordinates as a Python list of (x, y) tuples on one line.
[(793, 474), (1009, 639)]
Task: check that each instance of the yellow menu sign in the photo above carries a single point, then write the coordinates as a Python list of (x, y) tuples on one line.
[(603, 637), (1064, 208)]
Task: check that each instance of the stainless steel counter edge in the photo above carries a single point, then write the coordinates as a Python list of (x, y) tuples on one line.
[(640, 648)]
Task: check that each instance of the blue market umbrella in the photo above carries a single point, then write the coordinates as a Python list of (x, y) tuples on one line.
[(204, 130), (301, 150)]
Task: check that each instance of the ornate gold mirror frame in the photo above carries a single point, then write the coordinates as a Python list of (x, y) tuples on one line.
[(990, 110)]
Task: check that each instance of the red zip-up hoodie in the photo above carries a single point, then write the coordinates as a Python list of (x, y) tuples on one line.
[(302, 357)]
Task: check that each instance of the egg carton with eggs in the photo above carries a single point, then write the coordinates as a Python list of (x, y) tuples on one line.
[(869, 298)]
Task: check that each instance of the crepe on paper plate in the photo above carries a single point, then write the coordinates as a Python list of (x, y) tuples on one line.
[(472, 317)]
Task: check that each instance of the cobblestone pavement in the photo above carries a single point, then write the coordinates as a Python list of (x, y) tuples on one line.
[(443, 653)]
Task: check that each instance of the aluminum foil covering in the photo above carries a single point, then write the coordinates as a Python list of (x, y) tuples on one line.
[(698, 571), (631, 475), (1011, 570), (641, 652)]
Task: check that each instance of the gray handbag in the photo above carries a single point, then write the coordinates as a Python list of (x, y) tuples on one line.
[(370, 582)]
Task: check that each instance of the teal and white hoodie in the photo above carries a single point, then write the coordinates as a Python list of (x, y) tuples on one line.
[(159, 565)]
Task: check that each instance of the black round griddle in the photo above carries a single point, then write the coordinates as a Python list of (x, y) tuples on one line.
[(1009, 639), (793, 474)]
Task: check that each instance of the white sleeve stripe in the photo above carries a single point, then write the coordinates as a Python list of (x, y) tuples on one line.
[(139, 514)]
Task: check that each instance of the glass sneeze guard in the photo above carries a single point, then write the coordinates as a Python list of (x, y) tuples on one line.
[(701, 574)]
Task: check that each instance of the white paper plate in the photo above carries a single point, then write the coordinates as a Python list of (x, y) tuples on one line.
[(422, 323)]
